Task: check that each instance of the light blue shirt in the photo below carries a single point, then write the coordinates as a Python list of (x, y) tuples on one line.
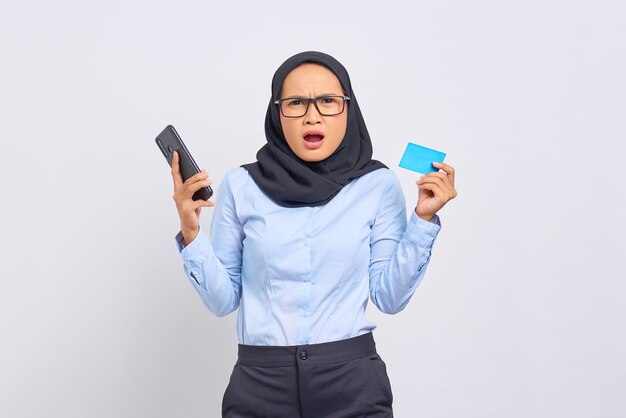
[(304, 275)]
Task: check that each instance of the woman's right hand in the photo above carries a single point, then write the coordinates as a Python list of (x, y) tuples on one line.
[(189, 209)]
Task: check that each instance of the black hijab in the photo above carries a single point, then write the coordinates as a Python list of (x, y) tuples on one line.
[(293, 182)]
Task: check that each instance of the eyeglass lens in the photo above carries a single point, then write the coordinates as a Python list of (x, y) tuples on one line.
[(327, 106)]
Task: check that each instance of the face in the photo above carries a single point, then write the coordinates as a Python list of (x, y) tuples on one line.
[(313, 80)]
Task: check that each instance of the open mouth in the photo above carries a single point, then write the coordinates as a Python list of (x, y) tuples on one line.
[(313, 137)]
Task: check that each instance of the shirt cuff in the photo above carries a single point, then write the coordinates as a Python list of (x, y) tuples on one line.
[(197, 249), (422, 231)]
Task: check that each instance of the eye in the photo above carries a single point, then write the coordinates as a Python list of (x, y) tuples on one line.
[(294, 102)]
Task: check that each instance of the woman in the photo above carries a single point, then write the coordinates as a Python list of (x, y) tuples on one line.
[(299, 240)]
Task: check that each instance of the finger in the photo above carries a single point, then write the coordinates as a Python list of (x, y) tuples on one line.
[(201, 203), (446, 179), (439, 174), (194, 187), (202, 175), (436, 174), (440, 193), (432, 179), (447, 168), (435, 188), (178, 180), (448, 191)]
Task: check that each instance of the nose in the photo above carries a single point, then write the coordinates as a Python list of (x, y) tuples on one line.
[(312, 115)]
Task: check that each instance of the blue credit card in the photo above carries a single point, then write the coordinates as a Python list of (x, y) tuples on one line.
[(420, 159)]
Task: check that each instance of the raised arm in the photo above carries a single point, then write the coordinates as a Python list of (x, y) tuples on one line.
[(214, 266), (399, 252)]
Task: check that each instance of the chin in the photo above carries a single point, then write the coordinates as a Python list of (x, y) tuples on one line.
[(312, 158), (314, 155)]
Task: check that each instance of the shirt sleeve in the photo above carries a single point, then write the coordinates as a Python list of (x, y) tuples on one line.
[(400, 251), (214, 266)]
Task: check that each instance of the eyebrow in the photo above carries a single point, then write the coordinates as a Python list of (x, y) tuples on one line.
[(323, 94)]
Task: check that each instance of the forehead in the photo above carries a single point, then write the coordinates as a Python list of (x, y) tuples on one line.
[(310, 77)]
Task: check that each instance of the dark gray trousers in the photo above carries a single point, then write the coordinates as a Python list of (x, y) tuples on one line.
[(338, 379)]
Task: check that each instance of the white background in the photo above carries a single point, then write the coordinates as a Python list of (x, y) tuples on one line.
[(521, 312)]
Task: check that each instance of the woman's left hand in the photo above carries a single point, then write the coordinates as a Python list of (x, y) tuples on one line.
[(435, 190)]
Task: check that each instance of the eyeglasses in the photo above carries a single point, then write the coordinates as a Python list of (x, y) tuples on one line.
[(296, 107)]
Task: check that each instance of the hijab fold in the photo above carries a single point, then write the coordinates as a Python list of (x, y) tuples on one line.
[(293, 182)]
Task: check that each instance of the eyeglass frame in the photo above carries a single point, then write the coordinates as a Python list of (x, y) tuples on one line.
[(314, 100)]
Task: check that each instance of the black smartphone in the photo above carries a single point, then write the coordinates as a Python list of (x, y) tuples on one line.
[(169, 141)]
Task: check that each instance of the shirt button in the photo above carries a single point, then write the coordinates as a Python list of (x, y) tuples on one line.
[(304, 355)]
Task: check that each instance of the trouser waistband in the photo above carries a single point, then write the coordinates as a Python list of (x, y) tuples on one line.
[(308, 354)]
